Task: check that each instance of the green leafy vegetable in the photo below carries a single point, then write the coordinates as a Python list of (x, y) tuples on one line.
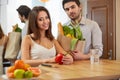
[(75, 33), (18, 29)]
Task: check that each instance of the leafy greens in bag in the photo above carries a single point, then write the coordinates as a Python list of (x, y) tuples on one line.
[(16, 28), (74, 33)]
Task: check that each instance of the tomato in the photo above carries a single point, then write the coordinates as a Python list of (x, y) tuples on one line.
[(58, 58)]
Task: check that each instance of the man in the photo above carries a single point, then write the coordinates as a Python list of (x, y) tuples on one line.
[(90, 29), (23, 12)]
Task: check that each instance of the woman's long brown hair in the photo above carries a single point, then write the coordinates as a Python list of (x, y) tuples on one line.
[(33, 25)]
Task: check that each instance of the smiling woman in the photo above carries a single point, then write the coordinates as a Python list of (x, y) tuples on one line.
[(40, 46)]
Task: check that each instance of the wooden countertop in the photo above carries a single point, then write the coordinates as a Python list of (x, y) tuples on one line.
[(82, 70)]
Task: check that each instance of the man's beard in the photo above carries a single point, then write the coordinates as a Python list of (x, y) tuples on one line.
[(22, 21), (75, 18)]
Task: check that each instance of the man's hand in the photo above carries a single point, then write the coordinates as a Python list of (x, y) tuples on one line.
[(77, 55)]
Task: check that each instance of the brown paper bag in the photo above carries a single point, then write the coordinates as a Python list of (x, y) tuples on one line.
[(13, 45), (1, 59), (65, 43)]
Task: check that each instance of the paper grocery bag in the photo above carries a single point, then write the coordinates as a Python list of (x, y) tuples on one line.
[(1, 59), (13, 45), (80, 46), (65, 43)]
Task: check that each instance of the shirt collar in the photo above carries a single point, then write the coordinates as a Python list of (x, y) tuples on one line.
[(82, 22)]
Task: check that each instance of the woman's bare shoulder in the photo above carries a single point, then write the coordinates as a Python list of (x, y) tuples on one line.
[(26, 38)]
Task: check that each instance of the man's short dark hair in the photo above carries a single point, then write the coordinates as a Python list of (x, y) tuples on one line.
[(66, 1), (24, 10)]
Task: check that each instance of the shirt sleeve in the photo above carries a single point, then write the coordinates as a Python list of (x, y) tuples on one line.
[(97, 38)]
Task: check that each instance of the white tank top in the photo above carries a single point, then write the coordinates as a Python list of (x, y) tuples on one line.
[(40, 52)]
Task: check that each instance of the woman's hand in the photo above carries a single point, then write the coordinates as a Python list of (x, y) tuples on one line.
[(67, 59), (49, 60)]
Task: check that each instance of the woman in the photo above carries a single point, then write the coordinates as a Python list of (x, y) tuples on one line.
[(39, 46), (3, 43)]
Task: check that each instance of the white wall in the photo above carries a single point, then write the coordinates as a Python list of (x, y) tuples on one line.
[(37, 3), (3, 17), (84, 7)]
